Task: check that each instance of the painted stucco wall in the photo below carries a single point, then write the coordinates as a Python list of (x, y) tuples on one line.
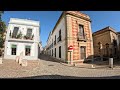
[(69, 29), (23, 25), (72, 31), (60, 26)]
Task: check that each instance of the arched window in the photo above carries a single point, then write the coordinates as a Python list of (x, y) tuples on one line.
[(100, 45)]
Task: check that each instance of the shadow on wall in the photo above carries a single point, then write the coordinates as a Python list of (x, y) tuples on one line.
[(66, 77), (89, 59), (98, 61), (108, 49)]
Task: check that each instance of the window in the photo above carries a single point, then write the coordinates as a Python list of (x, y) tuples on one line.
[(29, 32), (13, 49), (83, 52), (27, 50), (55, 40), (55, 52), (52, 52), (81, 31), (60, 33), (52, 43), (15, 31), (59, 51), (59, 38)]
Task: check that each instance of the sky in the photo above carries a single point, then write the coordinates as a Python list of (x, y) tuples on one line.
[(48, 19)]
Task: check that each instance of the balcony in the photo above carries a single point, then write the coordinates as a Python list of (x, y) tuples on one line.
[(55, 42), (21, 38), (51, 46), (59, 39), (81, 37)]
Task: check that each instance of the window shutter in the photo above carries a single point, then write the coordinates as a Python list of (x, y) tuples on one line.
[(27, 46), (13, 46)]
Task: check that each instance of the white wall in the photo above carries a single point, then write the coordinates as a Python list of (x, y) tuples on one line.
[(21, 48), (23, 25), (61, 26), (23, 29)]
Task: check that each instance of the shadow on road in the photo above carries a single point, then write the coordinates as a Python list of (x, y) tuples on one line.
[(66, 77)]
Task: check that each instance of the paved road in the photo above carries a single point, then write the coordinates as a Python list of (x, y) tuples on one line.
[(48, 68)]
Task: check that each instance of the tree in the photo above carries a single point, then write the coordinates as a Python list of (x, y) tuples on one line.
[(1, 12), (2, 31)]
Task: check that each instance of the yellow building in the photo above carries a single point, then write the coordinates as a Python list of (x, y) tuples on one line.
[(105, 42), (73, 28)]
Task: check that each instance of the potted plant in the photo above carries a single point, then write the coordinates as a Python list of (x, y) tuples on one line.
[(19, 36), (32, 37), (26, 37)]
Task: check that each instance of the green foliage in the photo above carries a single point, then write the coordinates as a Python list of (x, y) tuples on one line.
[(32, 36), (2, 27), (26, 37), (2, 30), (19, 35), (1, 12), (1, 42)]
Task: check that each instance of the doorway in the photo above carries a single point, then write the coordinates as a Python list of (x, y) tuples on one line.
[(83, 52)]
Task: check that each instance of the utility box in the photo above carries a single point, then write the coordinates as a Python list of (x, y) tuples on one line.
[(111, 62)]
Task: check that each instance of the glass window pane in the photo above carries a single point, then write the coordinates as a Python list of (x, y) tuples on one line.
[(29, 32), (13, 50), (15, 31), (27, 50)]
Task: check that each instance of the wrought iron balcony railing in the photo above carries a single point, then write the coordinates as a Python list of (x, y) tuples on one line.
[(55, 42), (81, 37), (59, 39)]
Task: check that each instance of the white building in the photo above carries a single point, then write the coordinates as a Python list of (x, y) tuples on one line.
[(22, 36), (73, 29)]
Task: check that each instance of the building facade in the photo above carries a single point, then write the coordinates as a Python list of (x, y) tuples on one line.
[(22, 37), (105, 42), (73, 28)]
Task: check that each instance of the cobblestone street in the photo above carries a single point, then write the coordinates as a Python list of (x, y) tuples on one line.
[(47, 68)]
